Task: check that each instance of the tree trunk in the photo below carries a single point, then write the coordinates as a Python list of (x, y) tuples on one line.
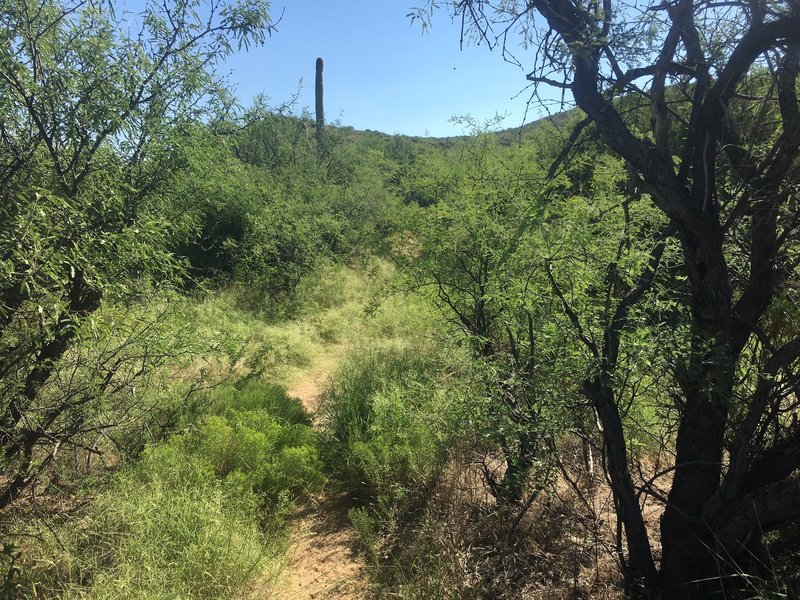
[(641, 569), (690, 560)]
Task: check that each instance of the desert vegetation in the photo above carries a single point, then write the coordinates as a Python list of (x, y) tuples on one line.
[(554, 362)]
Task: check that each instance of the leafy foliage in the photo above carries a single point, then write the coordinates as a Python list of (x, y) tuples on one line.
[(387, 429), (479, 252), (672, 92), (207, 506), (87, 128)]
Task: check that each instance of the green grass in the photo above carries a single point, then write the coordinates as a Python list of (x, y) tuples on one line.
[(166, 528), (388, 424), (200, 514), (339, 309), (196, 516)]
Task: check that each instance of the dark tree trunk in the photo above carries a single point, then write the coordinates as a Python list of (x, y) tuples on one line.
[(641, 567), (725, 197), (18, 444)]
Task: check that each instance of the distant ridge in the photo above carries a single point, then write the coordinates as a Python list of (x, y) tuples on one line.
[(507, 137)]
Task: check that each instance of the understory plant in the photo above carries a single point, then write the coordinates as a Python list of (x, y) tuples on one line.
[(196, 516)]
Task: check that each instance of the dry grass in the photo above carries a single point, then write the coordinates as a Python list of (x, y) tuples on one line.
[(465, 546)]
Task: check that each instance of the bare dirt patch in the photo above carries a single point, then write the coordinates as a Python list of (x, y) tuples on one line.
[(324, 558), (324, 562)]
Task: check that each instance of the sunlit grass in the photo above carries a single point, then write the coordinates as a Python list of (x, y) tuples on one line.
[(201, 513), (338, 308)]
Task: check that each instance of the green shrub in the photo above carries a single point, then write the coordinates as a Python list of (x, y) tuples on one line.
[(349, 400), (390, 419), (254, 449), (260, 438), (166, 528), (256, 395), (196, 516), (386, 426)]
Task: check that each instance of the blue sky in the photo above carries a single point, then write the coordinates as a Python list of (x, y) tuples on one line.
[(381, 72)]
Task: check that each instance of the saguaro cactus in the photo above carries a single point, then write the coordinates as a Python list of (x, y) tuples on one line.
[(319, 105)]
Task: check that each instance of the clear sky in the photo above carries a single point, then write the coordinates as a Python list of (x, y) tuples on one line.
[(381, 72)]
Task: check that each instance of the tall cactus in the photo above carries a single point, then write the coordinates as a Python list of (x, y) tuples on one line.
[(319, 105)]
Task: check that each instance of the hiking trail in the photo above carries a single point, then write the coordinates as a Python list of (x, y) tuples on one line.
[(324, 562)]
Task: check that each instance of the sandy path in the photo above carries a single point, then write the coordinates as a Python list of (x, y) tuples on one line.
[(324, 562)]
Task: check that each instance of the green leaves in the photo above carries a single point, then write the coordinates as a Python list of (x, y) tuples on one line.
[(89, 117)]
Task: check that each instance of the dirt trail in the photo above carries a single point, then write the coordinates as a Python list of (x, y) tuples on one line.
[(309, 387), (324, 562)]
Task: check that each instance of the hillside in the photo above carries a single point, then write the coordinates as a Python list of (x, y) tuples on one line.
[(245, 353)]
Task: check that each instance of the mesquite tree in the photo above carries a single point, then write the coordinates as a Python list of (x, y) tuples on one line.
[(718, 159), (89, 100), (463, 254)]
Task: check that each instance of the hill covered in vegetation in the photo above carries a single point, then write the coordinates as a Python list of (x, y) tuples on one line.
[(482, 359)]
